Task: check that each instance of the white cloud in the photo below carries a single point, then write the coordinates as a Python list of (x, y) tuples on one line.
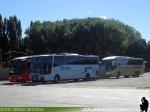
[(103, 17), (89, 11)]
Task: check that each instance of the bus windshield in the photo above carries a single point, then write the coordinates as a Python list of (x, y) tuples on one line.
[(41, 65), (17, 67), (108, 64)]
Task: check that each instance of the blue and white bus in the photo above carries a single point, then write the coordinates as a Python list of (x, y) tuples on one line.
[(64, 67)]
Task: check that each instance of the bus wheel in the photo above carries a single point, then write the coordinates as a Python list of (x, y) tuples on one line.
[(107, 76), (126, 76), (87, 77), (56, 79), (136, 74), (118, 75)]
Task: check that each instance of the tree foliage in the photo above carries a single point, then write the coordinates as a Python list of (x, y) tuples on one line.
[(10, 33), (98, 36), (103, 37)]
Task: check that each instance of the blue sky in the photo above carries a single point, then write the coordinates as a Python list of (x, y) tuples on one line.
[(132, 12)]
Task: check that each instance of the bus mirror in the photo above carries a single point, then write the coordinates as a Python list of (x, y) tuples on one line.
[(114, 63)]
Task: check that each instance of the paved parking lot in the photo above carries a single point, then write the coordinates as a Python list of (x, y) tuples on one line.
[(104, 93)]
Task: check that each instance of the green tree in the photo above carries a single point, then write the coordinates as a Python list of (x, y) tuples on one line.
[(85, 36), (14, 32), (1, 29), (5, 36)]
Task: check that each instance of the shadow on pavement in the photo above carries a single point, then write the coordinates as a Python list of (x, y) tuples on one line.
[(60, 82), (123, 77), (11, 83), (43, 83)]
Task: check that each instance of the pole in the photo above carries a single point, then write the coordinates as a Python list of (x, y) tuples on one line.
[(1, 57), (10, 56)]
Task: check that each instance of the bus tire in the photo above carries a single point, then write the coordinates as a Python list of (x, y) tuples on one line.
[(118, 75), (87, 77), (107, 77), (56, 79), (136, 74), (126, 76)]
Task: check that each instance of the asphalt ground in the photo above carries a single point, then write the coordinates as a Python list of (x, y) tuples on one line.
[(122, 95)]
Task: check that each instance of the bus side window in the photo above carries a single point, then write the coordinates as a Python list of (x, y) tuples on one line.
[(122, 62), (132, 62), (58, 60), (139, 62)]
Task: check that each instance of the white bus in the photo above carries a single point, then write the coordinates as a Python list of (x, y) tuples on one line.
[(64, 67), (123, 66)]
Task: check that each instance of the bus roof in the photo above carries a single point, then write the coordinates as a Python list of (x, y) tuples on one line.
[(25, 57), (120, 57), (68, 54), (45, 55)]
